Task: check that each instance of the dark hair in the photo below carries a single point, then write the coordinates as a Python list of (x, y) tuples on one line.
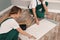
[(40, 0), (14, 10)]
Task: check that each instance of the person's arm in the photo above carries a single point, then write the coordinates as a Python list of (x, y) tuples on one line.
[(44, 5), (46, 9), (35, 17), (14, 24), (46, 14), (24, 33)]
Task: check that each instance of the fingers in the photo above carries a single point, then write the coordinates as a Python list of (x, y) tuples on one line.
[(32, 37), (37, 22)]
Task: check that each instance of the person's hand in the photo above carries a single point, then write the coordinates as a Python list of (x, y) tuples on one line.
[(32, 37), (37, 22), (48, 16)]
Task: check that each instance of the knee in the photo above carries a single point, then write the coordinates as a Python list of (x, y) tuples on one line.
[(46, 3)]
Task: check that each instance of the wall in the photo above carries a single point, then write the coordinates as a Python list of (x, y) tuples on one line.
[(4, 4), (54, 6)]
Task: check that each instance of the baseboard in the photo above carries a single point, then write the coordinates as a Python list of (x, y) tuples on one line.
[(5, 10), (54, 10)]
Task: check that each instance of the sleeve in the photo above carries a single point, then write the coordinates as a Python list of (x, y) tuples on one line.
[(13, 24), (43, 2), (33, 3)]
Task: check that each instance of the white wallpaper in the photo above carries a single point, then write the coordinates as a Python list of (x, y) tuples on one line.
[(53, 0), (21, 3)]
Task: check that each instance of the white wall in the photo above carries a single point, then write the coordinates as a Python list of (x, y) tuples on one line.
[(4, 4), (54, 5)]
